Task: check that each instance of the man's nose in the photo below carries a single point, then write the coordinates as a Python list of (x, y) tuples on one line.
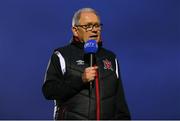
[(94, 30)]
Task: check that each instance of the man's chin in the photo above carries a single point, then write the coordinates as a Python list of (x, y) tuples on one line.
[(94, 38)]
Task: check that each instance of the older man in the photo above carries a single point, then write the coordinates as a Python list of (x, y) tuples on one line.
[(68, 76)]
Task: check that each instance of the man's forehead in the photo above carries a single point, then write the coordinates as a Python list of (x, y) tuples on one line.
[(88, 17)]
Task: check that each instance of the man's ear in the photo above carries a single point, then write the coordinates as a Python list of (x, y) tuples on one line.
[(75, 31)]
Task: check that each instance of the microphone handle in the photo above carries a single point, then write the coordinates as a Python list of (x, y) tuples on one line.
[(91, 59)]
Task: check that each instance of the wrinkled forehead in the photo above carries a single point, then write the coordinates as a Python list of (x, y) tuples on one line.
[(88, 18)]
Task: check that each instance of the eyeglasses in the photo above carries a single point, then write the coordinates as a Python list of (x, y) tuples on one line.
[(89, 27)]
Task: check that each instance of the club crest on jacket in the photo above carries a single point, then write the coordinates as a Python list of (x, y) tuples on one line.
[(107, 65)]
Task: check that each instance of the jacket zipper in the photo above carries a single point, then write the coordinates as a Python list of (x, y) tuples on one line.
[(97, 97)]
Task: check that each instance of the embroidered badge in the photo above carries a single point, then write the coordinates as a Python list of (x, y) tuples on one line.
[(80, 62), (107, 64)]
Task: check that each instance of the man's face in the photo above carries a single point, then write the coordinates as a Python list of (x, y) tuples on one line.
[(89, 27)]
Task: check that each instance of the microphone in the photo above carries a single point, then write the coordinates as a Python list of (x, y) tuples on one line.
[(90, 49)]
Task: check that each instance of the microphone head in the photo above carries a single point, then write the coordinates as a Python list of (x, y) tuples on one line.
[(90, 46)]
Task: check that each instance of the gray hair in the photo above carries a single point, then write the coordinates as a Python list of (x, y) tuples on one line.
[(77, 15)]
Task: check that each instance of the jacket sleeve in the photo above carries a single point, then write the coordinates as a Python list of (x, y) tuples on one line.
[(55, 86), (122, 111)]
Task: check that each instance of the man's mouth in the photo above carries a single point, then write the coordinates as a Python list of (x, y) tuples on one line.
[(93, 36)]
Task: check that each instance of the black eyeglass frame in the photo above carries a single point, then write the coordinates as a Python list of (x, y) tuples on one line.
[(90, 27)]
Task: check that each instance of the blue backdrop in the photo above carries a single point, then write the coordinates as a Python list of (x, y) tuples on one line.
[(145, 35)]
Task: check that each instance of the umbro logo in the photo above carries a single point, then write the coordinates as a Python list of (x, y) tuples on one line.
[(80, 62)]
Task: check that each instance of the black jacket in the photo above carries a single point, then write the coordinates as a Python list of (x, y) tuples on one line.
[(73, 99)]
